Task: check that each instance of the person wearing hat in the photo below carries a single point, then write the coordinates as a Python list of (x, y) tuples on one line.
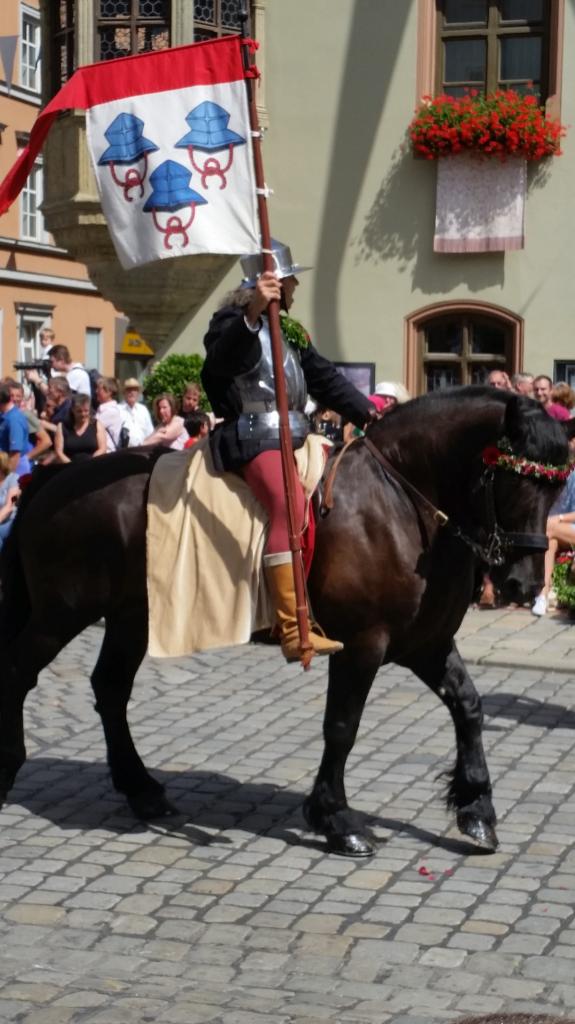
[(388, 394), (238, 379), (136, 415)]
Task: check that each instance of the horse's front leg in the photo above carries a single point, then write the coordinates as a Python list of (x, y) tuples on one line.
[(469, 791), (325, 810)]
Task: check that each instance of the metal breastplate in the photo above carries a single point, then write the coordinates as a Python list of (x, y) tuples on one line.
[(259, 417)]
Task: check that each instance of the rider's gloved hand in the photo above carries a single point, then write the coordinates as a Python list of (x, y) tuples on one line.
[(267, 288)]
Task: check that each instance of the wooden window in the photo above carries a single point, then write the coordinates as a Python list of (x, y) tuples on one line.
[(462, 349), (459, 342), (493, 44)]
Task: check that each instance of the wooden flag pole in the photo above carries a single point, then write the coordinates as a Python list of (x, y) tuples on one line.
[(286, 446)]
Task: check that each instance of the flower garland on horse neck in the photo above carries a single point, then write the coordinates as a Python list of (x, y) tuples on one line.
[(501, 457)]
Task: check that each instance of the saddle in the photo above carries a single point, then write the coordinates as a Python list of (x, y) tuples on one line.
[(205, 540)]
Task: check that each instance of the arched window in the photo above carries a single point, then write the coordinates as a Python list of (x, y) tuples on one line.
[(459, 343)]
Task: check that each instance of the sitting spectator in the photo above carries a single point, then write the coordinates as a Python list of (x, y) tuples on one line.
[(522, 383), (81, 437), (388, 394), (560, 534), (170, 429), (13, 433), (9, 494), (190, 400), (499, 379), (75, 373), (136, 415), (564, 396), (197, 425), (109, 413)]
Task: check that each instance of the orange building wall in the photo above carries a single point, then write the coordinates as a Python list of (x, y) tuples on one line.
[(73, 311)]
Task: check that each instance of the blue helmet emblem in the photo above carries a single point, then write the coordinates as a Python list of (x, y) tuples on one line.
[(209, 129), (127, 143), (170, 188)]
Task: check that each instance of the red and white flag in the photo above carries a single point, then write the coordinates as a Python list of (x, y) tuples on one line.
[(170, 142)]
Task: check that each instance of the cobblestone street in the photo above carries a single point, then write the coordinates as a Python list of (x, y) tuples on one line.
[(231, 913)]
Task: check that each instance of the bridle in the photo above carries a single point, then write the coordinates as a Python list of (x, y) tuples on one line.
[(499, 541)]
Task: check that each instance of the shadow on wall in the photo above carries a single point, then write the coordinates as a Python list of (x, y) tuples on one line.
[(376, 31), (400, 227)]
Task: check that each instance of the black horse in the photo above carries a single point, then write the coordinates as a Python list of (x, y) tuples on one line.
[(387, 579)]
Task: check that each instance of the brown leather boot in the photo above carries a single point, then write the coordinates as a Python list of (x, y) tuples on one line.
[(279, 578)]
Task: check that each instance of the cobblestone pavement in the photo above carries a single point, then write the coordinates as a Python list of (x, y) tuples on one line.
[(232, 914)]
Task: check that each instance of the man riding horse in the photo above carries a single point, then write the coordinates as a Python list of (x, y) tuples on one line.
[(239, 382)]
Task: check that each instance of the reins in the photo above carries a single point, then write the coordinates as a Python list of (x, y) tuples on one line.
[(498, 541)]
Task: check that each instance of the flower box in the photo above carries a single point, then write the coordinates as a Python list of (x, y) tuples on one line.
[(501, 124)]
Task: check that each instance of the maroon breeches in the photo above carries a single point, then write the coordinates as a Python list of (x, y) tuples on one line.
[(265, 478)]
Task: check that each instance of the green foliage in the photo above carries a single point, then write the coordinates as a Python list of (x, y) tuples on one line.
[(172, 374), (564, 584)]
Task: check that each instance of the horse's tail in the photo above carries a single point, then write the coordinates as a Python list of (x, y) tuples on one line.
[(14, 595)]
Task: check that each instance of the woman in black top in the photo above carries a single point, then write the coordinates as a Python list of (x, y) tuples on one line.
[(81, 437)]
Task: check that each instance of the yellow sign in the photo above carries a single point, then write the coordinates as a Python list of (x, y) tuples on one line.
[(134, 345)]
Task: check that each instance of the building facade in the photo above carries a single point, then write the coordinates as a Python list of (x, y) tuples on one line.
[(340, 81), (40, 284)]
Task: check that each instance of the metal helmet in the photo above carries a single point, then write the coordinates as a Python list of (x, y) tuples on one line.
[(284, 266)]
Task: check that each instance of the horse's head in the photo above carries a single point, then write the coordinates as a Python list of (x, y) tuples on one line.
[(526, 470)]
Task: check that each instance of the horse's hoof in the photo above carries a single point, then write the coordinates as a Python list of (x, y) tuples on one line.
[(353, 845), (147, 806), (479, 830)]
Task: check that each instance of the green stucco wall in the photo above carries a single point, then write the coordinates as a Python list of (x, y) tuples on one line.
[(340, 90)]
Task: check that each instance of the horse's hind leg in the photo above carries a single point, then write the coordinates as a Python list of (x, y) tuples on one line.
[(122, 651), (326, 810), (21, 661), (469, 791)]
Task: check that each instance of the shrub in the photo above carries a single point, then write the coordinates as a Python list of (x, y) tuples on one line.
[(172, 374), (563, 581)]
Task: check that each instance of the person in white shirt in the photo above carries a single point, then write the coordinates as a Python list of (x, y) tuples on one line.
[(75, 373), (109, 413), (136, 415)]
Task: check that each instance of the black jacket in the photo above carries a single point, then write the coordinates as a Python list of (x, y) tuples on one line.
[(231, 350)]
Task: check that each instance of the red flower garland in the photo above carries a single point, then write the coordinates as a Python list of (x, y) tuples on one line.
[(503, 123), (498, 458)]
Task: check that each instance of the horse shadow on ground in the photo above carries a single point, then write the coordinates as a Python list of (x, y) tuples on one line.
[(527, 711), (79, 795)]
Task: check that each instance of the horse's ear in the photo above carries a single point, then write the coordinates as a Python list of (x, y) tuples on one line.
[(519, 409)]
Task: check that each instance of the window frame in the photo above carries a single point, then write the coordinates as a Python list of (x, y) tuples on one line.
[(416, 323), (28, 72), (34, 184), (132, 23), (204, 30), (492, 32), (37, 317), (427, 53)]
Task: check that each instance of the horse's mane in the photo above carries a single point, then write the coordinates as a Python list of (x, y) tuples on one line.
[(535, 434)]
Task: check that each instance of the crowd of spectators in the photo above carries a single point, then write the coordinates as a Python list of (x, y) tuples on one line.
[(55, 417), (60, 415)]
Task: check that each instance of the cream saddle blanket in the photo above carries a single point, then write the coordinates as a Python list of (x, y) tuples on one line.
[(205, 540)]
